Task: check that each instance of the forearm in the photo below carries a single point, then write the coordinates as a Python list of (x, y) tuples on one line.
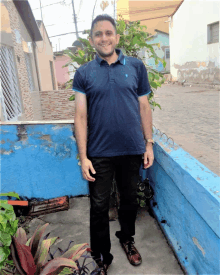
[(146, 121), (81, 136)]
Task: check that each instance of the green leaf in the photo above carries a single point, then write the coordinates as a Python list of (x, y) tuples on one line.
[(21, 236), (81, 53), (10, 194), (36, 238), (53, 265), (135, 40), (154, 85), (5, 238), (4, 253), (72, 98), (74, 250), (4, 204), (42, 253), (157, 77), (66, 271), (164, 63)]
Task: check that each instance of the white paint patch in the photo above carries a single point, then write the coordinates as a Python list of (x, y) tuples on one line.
[(196, 242), (17, 147)]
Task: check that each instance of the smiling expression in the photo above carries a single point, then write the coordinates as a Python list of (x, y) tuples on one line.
[(104, 38)]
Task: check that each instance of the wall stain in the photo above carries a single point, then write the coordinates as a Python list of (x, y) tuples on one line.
[(4, 152), (2, 141), (201, 72), (46, 137), (22, 133), (196, 242)]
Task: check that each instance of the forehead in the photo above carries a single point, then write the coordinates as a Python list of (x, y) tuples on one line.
[(103, 26)]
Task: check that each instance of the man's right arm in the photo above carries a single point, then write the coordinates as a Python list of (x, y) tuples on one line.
[(81, 134)]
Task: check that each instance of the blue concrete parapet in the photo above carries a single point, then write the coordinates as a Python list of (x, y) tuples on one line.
[(39, 161), (187, 206)]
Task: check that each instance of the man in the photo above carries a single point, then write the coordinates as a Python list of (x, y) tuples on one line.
[(111, 99)]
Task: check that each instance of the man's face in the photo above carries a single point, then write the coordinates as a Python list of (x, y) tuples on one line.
[(104, 38)]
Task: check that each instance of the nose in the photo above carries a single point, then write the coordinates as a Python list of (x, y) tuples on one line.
[(104, 37)]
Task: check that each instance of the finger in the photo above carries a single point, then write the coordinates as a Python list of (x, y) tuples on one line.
[(145, 161), (89, 177), (92, 169)]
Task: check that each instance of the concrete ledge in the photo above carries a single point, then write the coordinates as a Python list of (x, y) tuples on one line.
[(186, 204), (68, 121)]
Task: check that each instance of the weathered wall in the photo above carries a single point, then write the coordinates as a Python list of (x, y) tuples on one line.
[(20, 37), (45, 55), (62, 74), (163, 40), (55, 105), (39, 161), (187, 205), (192, 58)]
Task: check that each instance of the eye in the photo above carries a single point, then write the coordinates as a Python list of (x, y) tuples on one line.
[(109, 33)]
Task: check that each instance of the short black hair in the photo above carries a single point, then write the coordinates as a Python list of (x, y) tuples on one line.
[(103, 17)]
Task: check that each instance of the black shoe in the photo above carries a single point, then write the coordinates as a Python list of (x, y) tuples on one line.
[(102, 269), (132, 253)]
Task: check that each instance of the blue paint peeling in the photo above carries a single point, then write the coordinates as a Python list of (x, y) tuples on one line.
[(38, 167), (187, 197), (39, 161)]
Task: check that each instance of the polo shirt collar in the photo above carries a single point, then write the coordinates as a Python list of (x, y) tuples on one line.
[(120, 57)]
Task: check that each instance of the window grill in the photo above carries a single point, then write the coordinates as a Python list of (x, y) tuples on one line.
[(167, 53), (213, 33), (9, 91), (29, 71), (52, 75)]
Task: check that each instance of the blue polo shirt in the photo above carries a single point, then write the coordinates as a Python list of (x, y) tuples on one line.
[(114, 122)]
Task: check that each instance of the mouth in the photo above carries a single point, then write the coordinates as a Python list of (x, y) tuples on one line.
[(105, 45)]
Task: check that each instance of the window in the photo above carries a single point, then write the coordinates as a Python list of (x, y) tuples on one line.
[(9, 90), (213, 33), (167, 53), (52, 75), (29, 71)]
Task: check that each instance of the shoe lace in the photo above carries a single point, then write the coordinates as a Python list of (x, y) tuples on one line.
[(131, 248)]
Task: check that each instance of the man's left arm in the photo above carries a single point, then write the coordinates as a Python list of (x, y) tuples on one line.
[(146, 120)]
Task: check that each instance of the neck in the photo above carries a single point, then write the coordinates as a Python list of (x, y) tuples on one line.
[(111, 59)]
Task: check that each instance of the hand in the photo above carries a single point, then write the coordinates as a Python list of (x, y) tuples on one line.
[(148, 156), (86, 165)]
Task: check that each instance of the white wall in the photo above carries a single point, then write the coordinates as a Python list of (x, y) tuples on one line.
[(190, 54)]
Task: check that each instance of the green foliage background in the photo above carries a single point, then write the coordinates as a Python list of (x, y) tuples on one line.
[(133, 38)]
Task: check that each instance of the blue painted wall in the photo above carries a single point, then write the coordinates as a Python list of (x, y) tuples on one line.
[(163, 39), (187, 201), (39, 161)]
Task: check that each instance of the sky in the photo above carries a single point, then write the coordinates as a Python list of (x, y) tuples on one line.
[(57, 16)]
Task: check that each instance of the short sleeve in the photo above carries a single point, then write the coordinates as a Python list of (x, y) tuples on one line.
[(143, 82), (78, 83)]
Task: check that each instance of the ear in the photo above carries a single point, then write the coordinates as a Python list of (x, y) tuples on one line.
[(91, 42)]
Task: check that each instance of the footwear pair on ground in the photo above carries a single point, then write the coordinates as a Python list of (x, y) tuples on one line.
[(131, 252)]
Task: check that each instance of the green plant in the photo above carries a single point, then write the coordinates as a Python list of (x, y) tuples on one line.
[(133, 39), (30, 256), (8, 227)]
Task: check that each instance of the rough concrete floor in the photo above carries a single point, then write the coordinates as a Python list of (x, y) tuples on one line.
[(73, 224), (191, 116)]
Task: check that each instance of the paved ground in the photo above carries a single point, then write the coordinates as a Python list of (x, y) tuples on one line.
[(190, 115), (73, 224)]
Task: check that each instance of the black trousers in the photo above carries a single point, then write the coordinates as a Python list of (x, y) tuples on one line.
[(126, 170)]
